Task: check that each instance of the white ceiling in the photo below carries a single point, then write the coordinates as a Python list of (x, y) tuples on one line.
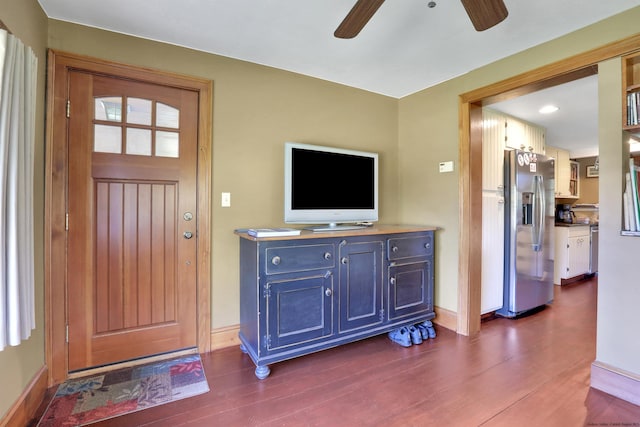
[(406, 47)]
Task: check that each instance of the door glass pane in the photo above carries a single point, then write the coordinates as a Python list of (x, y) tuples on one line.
[(108, 108), (167, 116), (167, 144), (139, 141), (107, 139), (139, 111)]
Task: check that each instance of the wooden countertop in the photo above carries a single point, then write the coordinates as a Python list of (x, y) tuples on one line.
[(365, 231)]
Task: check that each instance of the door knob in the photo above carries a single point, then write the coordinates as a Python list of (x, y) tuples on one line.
[(187, 234)]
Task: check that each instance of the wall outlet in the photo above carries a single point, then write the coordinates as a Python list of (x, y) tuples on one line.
[(225, 200), (446, 166)]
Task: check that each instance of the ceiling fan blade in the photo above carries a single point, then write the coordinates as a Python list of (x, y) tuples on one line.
[(484, 14), (357, 18)]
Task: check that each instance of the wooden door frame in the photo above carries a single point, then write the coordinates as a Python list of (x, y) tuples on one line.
[(58, 67), (470, 154)]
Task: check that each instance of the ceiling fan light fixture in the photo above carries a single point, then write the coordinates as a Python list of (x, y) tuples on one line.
[(548, 109)]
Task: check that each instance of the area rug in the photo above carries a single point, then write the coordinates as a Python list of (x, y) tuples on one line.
[(82, 401)]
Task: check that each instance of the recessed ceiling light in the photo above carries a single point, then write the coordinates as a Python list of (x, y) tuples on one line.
[(548, 109)]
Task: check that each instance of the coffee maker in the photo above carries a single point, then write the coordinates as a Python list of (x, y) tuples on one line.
[(564, 214)]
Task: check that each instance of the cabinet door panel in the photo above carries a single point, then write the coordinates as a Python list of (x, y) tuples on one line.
[(578, 262), (360, 285), (298, 310), (409, 289)]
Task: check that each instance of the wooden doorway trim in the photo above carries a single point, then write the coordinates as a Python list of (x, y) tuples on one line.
[(59, 65), (470, 152)]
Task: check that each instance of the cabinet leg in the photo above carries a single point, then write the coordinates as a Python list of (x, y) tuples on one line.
[(262, 372), (243, 349)]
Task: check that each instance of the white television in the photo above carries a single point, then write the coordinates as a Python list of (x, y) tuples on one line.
[(332, 186)]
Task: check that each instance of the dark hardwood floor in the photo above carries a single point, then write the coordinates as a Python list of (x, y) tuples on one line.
[(532, 371)]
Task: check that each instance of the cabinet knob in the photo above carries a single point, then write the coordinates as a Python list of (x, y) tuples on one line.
[(187, 235), (392, 280), (394, 249), (328, 292), (427, 245), (327, 255), (344, 260), (275, 260)]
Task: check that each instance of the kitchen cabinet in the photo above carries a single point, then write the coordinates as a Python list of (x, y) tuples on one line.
[(572, 252), (301, 294), (567, 174), (521, 135)]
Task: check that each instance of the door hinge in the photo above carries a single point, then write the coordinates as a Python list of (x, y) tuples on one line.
[(66, 222), (266, 293), (266, 340), (68, 108), (66, 334), (382, 315)]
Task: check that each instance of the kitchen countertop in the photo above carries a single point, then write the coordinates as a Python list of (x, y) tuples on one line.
[(575, 224)]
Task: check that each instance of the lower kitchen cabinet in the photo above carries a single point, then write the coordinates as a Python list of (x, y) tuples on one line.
[(301, 294), (572, 252)]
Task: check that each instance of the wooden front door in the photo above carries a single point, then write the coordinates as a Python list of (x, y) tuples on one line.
[(132, 206)]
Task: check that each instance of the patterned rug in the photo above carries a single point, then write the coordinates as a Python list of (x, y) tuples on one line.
[(86, 400)]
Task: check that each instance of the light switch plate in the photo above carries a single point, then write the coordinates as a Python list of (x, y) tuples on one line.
[(225, 200)]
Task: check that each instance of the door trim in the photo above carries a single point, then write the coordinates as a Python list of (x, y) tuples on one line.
[(58, 67), (470, 154)]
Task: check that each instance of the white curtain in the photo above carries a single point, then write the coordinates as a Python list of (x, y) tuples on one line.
[(18, 77)]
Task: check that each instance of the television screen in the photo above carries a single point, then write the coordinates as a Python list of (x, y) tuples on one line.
[(330, 185)]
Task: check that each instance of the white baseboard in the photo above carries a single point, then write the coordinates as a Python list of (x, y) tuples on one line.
[(616, 382)]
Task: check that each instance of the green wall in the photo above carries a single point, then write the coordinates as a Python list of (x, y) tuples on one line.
[(19, 365)]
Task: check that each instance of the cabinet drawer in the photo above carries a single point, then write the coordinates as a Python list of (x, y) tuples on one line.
[(579, 231), (285, 259), (408, 247)]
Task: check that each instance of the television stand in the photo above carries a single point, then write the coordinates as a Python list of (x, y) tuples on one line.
[(334, 227), (306, 293)]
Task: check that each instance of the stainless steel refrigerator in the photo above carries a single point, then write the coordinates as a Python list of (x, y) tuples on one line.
[(529, 232)]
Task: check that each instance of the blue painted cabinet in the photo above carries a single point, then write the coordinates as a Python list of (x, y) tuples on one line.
[(318, 290)]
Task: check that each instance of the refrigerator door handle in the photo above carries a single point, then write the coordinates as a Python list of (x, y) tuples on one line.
[(538, 213)]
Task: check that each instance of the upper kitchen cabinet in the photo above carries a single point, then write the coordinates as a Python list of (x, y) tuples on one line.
[(567, 174), (525, 136)]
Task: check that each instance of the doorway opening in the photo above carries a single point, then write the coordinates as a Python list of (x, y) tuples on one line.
[(470, 155), (568, 133)]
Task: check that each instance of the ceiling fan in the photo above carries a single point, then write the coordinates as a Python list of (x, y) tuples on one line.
[(484, 14)]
